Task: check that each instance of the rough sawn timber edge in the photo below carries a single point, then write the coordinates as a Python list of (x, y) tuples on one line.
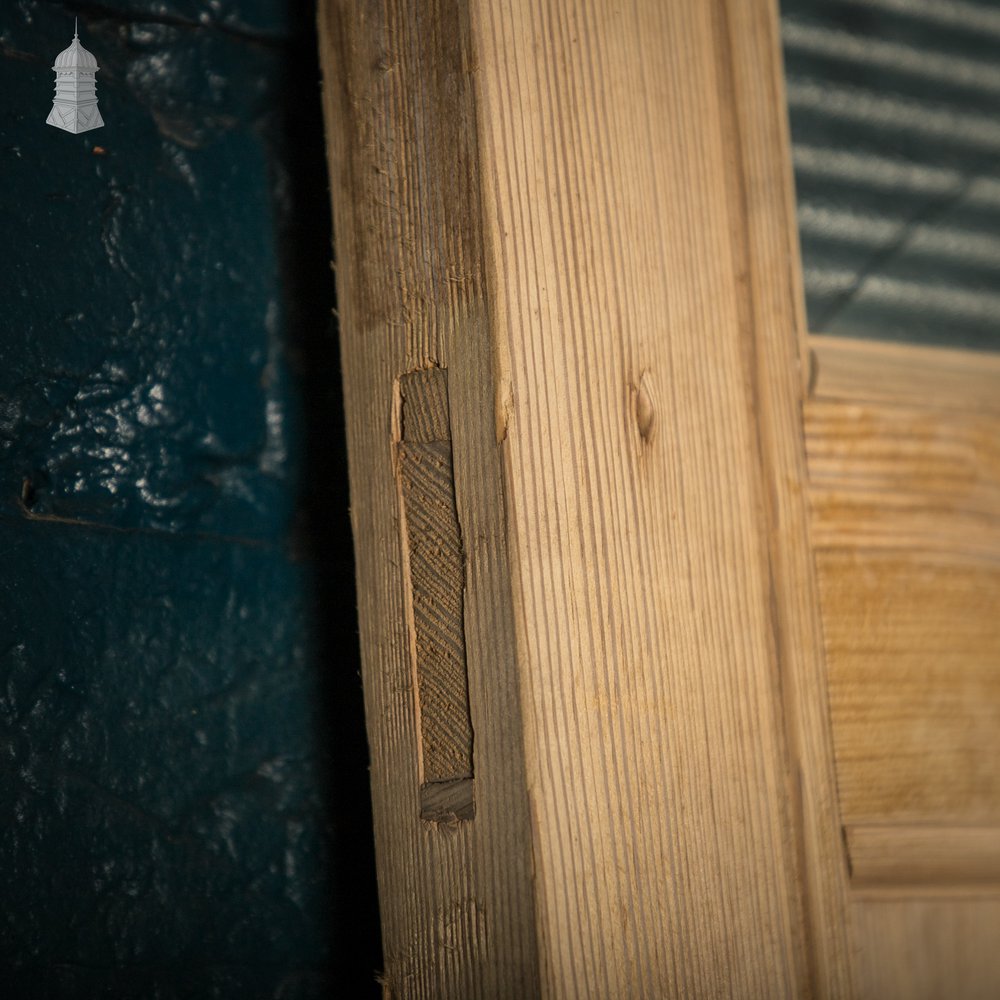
[(645, 863), (456, 898)]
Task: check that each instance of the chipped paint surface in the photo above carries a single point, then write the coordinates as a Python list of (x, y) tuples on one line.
[(166, 639)]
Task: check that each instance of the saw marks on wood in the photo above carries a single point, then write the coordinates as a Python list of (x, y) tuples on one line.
[(432, 543), (456, 898)]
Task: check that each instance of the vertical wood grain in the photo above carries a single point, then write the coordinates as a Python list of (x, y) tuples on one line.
[(926, 949), (582, 212), (664, 595), (778, 353), (456, 898)]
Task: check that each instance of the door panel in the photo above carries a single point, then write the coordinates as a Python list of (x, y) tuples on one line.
[(584, 215), (906, 527), (903, 447), (928, 948), (893, 113)]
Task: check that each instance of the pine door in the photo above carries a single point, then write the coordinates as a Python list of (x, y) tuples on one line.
[(679, 628)]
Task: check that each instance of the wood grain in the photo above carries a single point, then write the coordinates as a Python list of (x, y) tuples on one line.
[(778, 364), (584, 214), (904, 471), (928, 949), (914, 651), (921, 857), (434, 563), (873, 371), (456, 899), (900, 476), (906, 525), (653, 521)]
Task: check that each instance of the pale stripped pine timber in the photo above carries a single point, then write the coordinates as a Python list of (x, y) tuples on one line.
[(658, 710), (667, 853), (905, 488), (906, 526), (905, 477), (779, 368), (938, 857), (914, 654), (872, 371), (456, 898), (928, 949)]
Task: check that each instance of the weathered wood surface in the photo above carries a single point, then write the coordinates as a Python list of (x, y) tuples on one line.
[(584, 215), (456, 898), (665, 857)]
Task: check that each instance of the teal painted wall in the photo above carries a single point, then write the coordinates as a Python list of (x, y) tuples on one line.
[(184, 806)]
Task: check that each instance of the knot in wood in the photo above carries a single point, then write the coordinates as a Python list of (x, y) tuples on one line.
[(645, 408)]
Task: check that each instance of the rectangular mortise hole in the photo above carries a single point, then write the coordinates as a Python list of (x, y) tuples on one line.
[(436, 580), (447, 801)]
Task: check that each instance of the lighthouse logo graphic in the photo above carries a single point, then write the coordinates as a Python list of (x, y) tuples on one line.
[(75, 106)]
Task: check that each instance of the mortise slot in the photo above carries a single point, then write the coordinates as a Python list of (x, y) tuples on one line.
[(435, 563)]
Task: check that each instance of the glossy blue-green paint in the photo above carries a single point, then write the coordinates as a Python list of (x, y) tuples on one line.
[(145, 385), (183, 810)]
